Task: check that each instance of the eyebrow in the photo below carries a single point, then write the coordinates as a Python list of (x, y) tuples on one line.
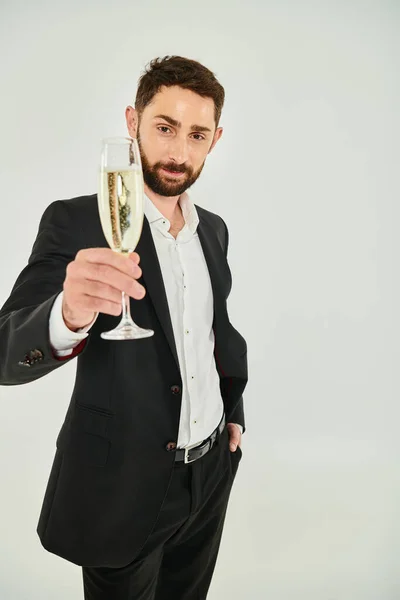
[(178, 124)]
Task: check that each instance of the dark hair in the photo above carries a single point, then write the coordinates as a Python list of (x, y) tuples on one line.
[(183, 72)]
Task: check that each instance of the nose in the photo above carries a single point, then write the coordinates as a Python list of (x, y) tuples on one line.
[(178, 150)]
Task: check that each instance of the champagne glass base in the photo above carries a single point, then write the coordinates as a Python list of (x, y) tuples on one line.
[(127, 331)]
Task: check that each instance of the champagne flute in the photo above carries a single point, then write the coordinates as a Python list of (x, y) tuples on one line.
[(120, 202)]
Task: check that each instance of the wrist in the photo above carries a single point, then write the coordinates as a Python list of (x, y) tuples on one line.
[(74, 323)]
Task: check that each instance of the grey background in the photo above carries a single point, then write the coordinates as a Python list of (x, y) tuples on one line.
[(306, 177)]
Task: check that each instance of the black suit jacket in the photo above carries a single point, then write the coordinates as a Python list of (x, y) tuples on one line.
[(111, 468)]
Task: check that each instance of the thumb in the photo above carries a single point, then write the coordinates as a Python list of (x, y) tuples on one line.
[(234, 436)]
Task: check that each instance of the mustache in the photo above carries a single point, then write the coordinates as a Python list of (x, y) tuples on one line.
[(173, 167)]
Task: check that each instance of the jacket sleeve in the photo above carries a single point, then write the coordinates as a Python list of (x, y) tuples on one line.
[(25, 350), (238, 414)]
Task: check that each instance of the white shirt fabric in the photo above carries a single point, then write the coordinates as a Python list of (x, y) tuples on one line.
[(190, 300)]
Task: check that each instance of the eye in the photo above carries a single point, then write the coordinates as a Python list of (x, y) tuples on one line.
[(163, 129), (198, 137)]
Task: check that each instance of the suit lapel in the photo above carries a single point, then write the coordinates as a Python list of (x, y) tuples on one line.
[(154, 284), (215, 260)]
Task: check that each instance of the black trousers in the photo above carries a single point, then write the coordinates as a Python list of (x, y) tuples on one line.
[(178, 559)]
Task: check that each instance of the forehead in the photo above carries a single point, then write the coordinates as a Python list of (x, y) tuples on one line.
[(182, 105)]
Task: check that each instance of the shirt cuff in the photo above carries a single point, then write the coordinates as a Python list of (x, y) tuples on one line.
[(62, 339)]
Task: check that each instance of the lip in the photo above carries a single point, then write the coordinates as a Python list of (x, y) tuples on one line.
[(172, 174)]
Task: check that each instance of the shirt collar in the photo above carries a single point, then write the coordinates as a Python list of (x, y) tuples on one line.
[(188, 210)]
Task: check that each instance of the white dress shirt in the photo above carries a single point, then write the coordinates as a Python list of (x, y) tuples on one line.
[(190, 300)]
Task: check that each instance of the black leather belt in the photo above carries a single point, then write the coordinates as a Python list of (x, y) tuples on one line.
[(189, 456)]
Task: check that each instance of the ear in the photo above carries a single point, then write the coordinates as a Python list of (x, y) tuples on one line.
[(131, 116), (217, 136)]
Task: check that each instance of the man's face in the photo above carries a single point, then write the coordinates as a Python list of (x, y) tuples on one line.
[(175, 132)]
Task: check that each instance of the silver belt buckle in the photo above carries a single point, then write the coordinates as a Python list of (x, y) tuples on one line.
[(186, 459)]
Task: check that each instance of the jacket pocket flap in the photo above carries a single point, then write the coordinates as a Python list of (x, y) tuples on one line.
[(91, 420)]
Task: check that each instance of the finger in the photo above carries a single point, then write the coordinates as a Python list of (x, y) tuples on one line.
[(107, 276), (96, 289), (98, 305), (134, 256), (127, 264)]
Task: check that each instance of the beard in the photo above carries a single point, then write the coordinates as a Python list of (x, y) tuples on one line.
[(159, 182)]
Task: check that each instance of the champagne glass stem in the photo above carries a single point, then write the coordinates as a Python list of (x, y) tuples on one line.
[(126, 309)]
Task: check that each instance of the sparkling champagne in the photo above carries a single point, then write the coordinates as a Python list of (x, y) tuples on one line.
[(120, 201), (121, 207)]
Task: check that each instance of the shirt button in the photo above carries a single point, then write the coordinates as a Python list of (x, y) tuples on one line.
[(170, 446), (187, 331), (175, 389)]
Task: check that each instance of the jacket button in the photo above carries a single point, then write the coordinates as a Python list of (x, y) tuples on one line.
[(26, 362), (170, 446), (36, 355), (31, 358), (175, 389)]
